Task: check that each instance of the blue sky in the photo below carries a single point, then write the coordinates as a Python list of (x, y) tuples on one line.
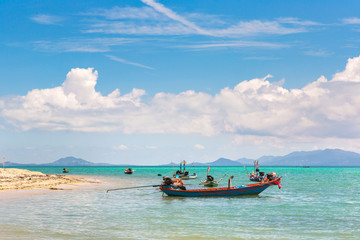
[(150, 82)]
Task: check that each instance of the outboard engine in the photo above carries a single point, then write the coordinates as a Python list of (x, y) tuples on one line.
[(209, 178)]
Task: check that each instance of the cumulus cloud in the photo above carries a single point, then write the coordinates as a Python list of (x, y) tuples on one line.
[(257, 107)]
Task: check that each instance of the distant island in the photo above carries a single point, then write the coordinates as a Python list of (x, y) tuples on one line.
[(67, 161), (327, 157)]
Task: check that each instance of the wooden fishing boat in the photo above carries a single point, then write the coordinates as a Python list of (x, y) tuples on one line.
[(183, 174), (188, 177), (251, 189), (128, 171)]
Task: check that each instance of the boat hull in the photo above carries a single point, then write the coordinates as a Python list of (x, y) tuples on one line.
[(252, 189)]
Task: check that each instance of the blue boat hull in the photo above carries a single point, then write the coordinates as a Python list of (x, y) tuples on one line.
[(252, 189)]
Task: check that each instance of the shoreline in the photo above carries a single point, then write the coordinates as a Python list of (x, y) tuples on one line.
[(16, 183)]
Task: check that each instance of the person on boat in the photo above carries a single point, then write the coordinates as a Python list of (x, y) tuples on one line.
[(209, 178), (257, 170), (229, 181), (176, 182), (167, 181)]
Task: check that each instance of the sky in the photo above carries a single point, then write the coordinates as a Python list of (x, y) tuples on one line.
[(151, 81)]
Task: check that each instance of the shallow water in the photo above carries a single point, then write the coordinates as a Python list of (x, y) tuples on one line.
[(322, 203)]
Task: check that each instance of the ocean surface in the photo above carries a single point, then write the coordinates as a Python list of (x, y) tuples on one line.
[(313, 203)]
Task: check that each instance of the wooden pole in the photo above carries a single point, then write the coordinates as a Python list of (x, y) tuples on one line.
[(132, 187), (3, 161)]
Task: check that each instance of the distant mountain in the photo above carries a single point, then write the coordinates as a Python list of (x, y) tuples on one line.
[(73, 161), (64, 162), (327, 157), (12, 164), (224, 162)]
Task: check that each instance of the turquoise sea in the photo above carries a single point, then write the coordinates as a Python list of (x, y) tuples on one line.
[(313, 203)]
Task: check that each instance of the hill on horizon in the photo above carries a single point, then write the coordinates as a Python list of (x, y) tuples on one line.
[(327, 157), (63, 162)]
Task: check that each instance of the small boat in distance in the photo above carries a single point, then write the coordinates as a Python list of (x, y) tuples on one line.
[(182, 173), (128, 171), (65, 170)]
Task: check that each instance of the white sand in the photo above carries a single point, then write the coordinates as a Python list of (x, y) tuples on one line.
[(22, 179)]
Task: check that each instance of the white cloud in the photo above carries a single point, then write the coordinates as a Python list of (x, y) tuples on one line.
[(297, 21), (256, 107), (174, 16), (232, 44), (199, 146), (127, 62), (164, 21), (121, 147), (256, 27), (47, 19), (351, 73), (353, 20), (125, 13), (80, 44)]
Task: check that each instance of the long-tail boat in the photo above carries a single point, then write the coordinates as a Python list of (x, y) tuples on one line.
[(182, 173), (251, 189)]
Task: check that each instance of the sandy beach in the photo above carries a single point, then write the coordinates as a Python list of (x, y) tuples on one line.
[(22, 179)]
